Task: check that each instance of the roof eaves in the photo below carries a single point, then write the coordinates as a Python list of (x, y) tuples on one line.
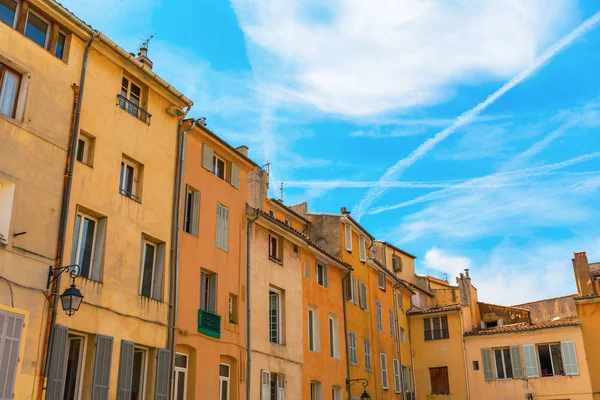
[(223, 142), (288, 209)]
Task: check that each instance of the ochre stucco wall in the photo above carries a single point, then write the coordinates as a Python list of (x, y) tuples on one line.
[(589, 315)]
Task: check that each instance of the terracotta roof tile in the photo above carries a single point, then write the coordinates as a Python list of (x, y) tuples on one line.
[(524, 327), (449, 307)]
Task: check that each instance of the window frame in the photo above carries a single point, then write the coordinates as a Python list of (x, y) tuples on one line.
[(144, 366), (384, 371), (146, 242), (191, 214), (16, 16), (348, 240), (322, 280), (502, 351), (352, 348), (81, 361), (211, 289), (367, 348), (316, 390), (125, 162), (64, 50), (279, 337), (399, 260), (562, 360), (177, 369), (334, 336), (442, 332), (224, 379), (362, 248), (215, 161), (79, 230), (4, 69), (313, 329), (381, 278), (48, 29), (278, 256)]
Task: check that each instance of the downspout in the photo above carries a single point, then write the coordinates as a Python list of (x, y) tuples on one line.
[(175, 238), (248, 315), (64, 213), (344, 300), (412, 354), (398, 339), (464, 354)]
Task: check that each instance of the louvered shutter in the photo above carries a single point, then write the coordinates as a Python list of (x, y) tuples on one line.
[(531, 364), (384, 374), (195, 212), (569, 357), (396, 365), (362, 248), (488, 367), (212, 293), (354, 294), (226, 228), (379, 316), (515, 361), (235, 176), (161, 384), (207, 157), (101, 381), (280, 387), (11, 328), (58, 360), (348, 231), (265, 385), (392, 323), (125, 371)]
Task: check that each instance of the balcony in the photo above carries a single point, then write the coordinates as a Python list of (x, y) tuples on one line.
[(436, 334), (209, 324), (133, 109)]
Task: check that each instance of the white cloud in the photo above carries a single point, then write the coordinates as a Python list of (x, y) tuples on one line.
[(373, 56), (441, 260)]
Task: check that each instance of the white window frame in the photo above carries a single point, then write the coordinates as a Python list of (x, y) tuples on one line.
[(279, 338), (144, 243), (185, 376), (379, 313), (131, 82), (144, 370), (397, 375), (336, 393), (362, 248), (94, 240), (381, 280), (61, 32), (316, 390), (215, 161), (281, 386), (86, 149), (80, 361), (16, 17), (352, 346), (539, 361), (48, 30), (348, 237), (368, 365), (334, 333), (211, 289), (324, 279), (136, 177), (313, 345), (384, 371), (224, 379)]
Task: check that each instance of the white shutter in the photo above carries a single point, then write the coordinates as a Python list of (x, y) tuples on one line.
[(207, 157), (516, 363), (11, 327), (569, 357), (354, 294), (392, 323), (362, 251), (379, 316), (488, 366), (235, 176), (396, 365), (265, 385), (384, 375), (531, 363), (280, 387), (195, 212), (348, 231)]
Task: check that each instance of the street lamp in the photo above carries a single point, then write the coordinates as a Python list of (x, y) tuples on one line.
[(365, 395), (71, 298)]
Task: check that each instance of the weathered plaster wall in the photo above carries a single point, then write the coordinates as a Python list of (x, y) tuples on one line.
[(545, 310)]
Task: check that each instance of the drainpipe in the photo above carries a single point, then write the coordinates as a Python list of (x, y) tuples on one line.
[(348, 282), (462, 333), (248, 315), (175, 238), (398, 340), (412, 354), (64, 213)]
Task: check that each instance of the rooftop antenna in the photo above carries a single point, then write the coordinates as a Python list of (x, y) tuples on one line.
[(146, 42), (446, 276), (281, 192)]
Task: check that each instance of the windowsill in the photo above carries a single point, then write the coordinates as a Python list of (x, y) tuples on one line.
[(276, 260), (434, 340), (132, 197), (231, 326), (191, 234), (382, 289), (86, 164), (222, 249)]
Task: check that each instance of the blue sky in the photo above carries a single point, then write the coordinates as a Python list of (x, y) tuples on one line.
[(384, 107)]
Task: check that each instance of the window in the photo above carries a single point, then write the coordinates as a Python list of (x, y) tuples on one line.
[(397, 371), (10, 81), (322, 274), (130, 99), (10, 343), (362, 248), (352, 345), (336, 393), (275, 316), (85, 149), (400, 300), (222, 239), (61, 41), (367, 354), (362, 292), (233, 308), (313, 329), (8, 11), (307, 268), (379, 315), (88, 243), (503, 364), (277, 387), (436, 328), (149, 269), (551, 360), (475, 365), (192, 211), (439, 380), (381, 280), (208, 291), (406, 379), (396, 263), (373, 252), (265, 385), (275, 248), (139, 373), (384, 374), (350, 285), (403, 335), (37, 29), (224, 372), (73, 377), (334, 348), (218, 166), (180, 384), (315, 390), (392, 323), (130, 178), (348, 232)]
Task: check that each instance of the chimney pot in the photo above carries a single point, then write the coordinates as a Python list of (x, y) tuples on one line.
[(344, 210), (580, 254), (243, 149), (467, 272)]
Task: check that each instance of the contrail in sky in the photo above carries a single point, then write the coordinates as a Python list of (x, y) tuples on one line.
[(467, 117)]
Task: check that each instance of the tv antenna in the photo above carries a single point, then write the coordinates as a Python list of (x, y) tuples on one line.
[(146, 42)]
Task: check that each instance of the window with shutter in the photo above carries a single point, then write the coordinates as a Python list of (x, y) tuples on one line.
[(333, 323), (58, 361), (208, 291), (180, 383), (125, 379), (352, 345), (367, 354), (488, 367), (348, 237), (381, 280), (280, 387), (397, 382), (384, 375), (440, 383), (392, 323), (570, 357), (322, 278), (192, 211), (102, 363), (517, 364), (224, 380), (235, 176), (74, 374), (362, 248), (207, 157), (161, 384), (531, 364), (222, 236), (265, 385), (379, 316)]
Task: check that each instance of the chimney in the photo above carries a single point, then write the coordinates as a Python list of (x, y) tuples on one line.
[(464, 287), (142, 57), (258, 180), (243, 149), (583, 278), (300, 208), (345, 211)]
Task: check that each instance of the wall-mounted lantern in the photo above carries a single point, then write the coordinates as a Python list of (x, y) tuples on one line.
[(365, 395), (71, 298)]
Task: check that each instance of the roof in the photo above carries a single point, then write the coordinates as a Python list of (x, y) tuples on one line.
[(427, 292), (302, 236), (203, 127), (445, 308), (525, 327), (392, 275), (499, 305), (286, 208), (359, 226), (397, 249), (538, 301), (587, 296)]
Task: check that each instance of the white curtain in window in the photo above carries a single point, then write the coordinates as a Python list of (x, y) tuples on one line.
[(8, 93)]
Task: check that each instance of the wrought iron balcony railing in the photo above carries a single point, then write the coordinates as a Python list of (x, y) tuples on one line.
[(133, 109), (436, 334), (209, 323)]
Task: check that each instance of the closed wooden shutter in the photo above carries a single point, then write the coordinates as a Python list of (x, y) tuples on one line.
[(101, 380), (440, 384), (488, 367), (515, 361), (348, 231), (58, 360), (99, 250), (125, 370), (445, 331), (235, 176), (384, 374), (11, 328), (161, 384), (207, 157), (569, 357), (531, 364), (397, 383), (195, 212), (265, 385), (362, 251)]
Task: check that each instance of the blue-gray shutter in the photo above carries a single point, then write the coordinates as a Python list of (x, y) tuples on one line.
[(159, 272), (532, 369), (515, 361), (488, 366), (58, 361), (101, 381), (11, 328), (161, 389), (125, 370)]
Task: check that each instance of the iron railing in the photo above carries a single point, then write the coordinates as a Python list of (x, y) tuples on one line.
[(436, 334), (133, 109), (209, 324), (129, 194)]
